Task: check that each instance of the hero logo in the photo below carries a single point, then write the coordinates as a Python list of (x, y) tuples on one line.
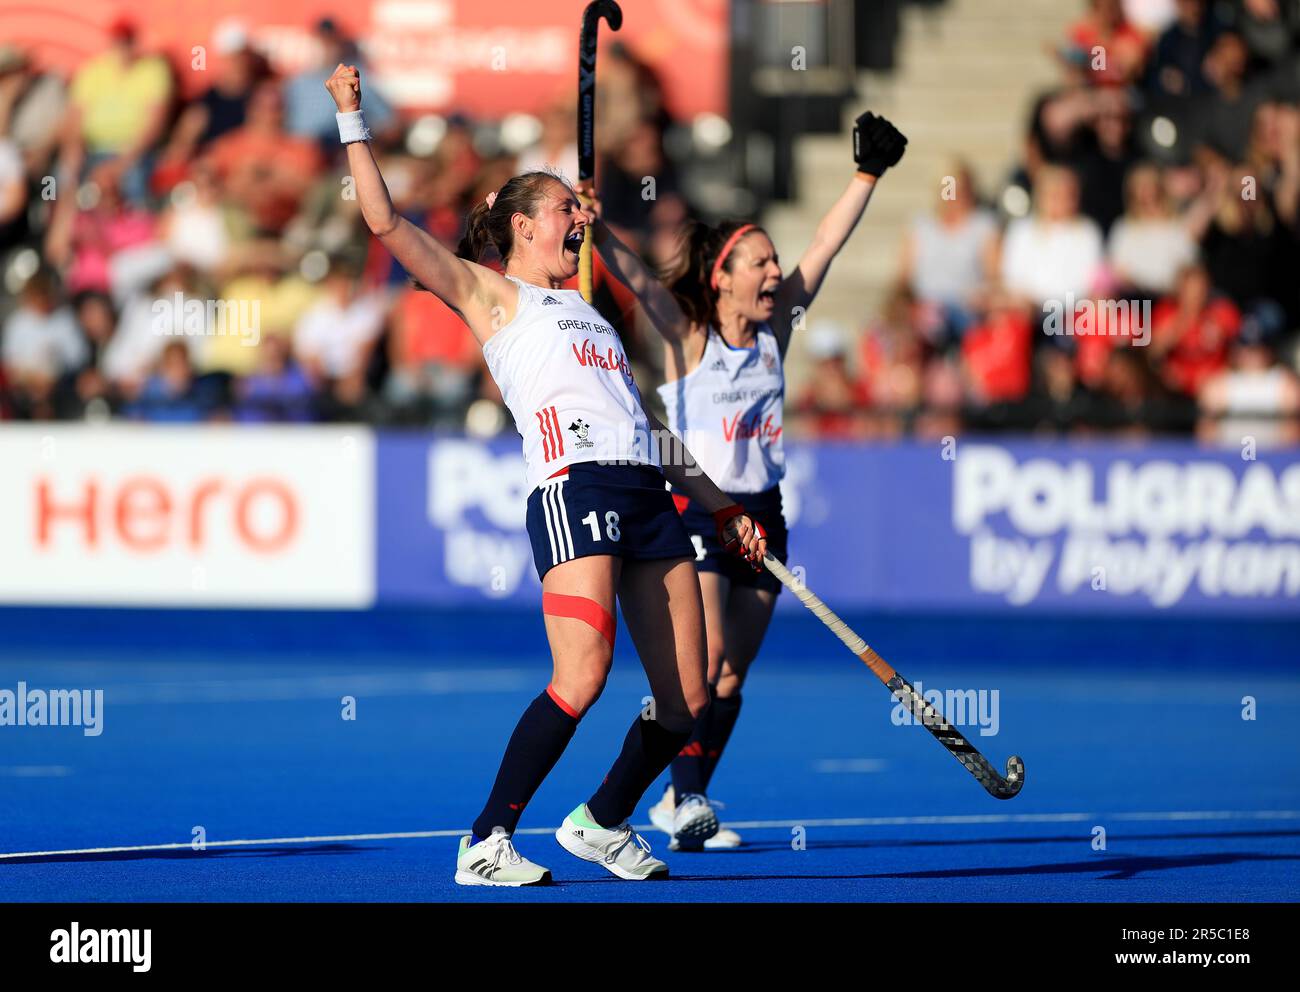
[(479, 502), (1112, 529), (612, 360), (149, 514)]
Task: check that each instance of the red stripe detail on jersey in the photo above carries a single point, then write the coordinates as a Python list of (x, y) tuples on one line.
[(581, 608), (546, 448), (559, 435), (681, 502), (559, 472)]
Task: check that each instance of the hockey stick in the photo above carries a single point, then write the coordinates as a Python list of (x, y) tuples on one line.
[(996, 785), (611, 12)]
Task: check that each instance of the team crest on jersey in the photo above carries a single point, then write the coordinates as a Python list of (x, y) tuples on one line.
[(550, 301), (769, 361), (580, 428)]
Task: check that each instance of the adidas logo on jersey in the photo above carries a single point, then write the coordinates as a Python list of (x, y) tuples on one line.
[(550, 301), (719, 365)]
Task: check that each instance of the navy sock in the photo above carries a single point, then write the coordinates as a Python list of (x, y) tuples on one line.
[(722, 715), (647, 749), (689, 764), (540, 737)]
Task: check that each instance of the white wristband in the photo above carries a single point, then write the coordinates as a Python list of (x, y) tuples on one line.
[(352, 127)]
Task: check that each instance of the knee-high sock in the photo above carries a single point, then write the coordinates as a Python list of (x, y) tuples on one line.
[(647, 749), (722, 715), (540, 737), (689, 764)]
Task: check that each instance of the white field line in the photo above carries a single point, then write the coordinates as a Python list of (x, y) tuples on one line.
[(863, 821)]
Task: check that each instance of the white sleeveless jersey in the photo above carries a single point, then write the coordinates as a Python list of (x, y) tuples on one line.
[(564, 375), (728, 412)]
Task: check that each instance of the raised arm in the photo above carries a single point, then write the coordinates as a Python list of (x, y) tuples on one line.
[(877, 145), (484, 299), (625, 265)]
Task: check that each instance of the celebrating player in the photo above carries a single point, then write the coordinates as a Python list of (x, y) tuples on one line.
[(726, 318), (601, 521)]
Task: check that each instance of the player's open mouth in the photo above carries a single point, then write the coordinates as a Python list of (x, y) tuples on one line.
[(767, 296), (573, 242)]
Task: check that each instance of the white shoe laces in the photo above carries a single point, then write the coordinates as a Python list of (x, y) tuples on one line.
[(504, 848), (629, 835)]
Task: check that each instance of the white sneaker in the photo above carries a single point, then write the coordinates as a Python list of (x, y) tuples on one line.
[(723, 840), (663, 815), (496, 862), (621, 851), (694, 822)]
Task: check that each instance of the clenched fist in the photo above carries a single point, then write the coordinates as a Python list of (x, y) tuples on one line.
[(345, 88)]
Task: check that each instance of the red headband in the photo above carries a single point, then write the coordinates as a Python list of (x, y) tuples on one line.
[(726, 250)]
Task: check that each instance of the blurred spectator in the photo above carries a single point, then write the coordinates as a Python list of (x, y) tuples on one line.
[(118, 112), (1247, 252), (1103, 155), (1257, 397), (1107, 44), (151, 318), (333, 340), (262, 168), (949, 257), (1055, 251), (307, 115), (1175, 67), (434, 360), (278, 391), (172, 394), (40, 344), (91, 229), (996, 352), (1058, 400), (13, 194), (219, 109), (88, 388), (1149, 245), (833, 403), (891, 359), (263, 297), (556, 149), (32, 104), (1223, 115), (1191, 332), (198, 226), (637, 184), (1131, 401)]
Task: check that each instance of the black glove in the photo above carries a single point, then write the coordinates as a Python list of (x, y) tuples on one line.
[(877, 144)]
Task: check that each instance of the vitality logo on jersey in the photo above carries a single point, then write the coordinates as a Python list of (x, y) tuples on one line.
[(580, 428), (736, 429), (612, 360)]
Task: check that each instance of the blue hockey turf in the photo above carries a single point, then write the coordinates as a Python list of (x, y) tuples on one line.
[(834, 800)]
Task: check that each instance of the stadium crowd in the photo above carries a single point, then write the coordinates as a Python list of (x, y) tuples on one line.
[(189, 260)]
